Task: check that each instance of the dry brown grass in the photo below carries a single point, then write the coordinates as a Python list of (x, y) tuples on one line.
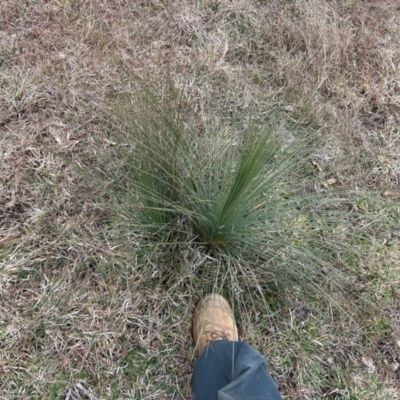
[(79, 304)]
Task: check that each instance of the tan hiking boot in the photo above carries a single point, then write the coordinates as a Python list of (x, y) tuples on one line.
[(213, 320)]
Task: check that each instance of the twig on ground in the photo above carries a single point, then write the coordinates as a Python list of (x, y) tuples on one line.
[(85, 392)]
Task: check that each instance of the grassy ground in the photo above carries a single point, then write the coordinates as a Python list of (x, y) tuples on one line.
[(83, 302)]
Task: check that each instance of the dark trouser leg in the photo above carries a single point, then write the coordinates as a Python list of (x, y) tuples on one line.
[(232, 371)]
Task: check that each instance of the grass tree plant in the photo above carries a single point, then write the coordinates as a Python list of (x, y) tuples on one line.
[(239, 191)]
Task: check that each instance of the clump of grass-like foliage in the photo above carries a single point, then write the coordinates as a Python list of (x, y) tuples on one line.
[(238, 189)]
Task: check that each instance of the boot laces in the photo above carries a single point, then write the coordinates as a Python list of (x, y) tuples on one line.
[(215, 334)]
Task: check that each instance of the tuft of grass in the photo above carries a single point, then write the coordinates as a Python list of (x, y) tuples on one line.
[(240, 192)]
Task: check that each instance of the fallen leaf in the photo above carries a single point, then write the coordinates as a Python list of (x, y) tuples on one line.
[(331, 181), (392, 194)]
